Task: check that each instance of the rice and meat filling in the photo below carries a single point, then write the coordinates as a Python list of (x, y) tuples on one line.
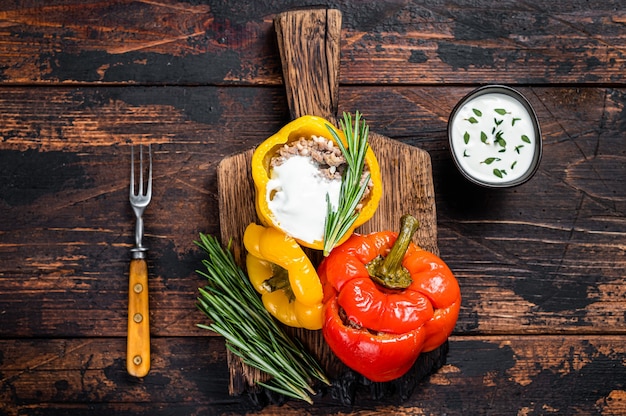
[(327, 157)]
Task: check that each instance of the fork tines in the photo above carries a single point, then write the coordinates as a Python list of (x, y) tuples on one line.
[(144, 189)]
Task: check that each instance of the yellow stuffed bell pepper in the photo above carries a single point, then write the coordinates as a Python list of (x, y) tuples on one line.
[(263, 176), (281, 272)]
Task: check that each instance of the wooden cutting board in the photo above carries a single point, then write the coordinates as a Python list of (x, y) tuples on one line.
[(309, 46)]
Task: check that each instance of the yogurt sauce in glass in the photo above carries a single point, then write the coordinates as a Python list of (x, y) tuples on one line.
[(493, 138)]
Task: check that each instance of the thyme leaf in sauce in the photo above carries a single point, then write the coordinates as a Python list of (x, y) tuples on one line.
[(490, 160), (499, 172), (499, 139)]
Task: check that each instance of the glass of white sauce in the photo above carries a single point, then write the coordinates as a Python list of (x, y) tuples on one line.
[(495, 138)]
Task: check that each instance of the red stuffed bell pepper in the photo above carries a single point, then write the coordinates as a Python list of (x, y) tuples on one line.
[(386, 301)]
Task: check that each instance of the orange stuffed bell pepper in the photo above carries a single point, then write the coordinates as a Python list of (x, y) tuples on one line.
[(386, 301)]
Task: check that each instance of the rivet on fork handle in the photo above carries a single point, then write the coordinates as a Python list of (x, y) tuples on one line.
[(138, 342)]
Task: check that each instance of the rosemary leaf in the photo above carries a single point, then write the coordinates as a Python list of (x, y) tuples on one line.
[(236, 312), (339, 220)]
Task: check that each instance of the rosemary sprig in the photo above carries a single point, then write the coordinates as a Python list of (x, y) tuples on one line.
[(339, 220), (237, 313)]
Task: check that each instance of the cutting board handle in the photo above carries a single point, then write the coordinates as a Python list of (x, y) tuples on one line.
[(308, 41)]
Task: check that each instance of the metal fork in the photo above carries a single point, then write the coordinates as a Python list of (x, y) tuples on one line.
[(138, 342)]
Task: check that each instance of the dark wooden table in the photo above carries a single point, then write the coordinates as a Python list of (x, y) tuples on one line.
[(541, 267)]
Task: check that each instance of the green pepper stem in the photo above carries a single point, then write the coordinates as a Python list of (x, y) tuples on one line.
[(279, 281), (388, 271)]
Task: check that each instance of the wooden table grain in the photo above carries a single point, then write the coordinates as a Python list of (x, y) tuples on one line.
[(542, 267)]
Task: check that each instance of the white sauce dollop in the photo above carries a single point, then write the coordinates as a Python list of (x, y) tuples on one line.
[(296, 195), (493, 138)]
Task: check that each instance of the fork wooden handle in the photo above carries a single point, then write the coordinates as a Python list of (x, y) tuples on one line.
[(138, 343)]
